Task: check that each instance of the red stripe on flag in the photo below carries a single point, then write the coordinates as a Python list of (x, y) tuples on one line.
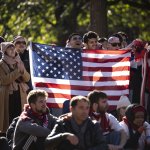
[(78, 87)]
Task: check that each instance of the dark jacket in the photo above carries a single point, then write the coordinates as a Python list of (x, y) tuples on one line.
[(10, 131), (92, 137), (25, 59), (32, 129)]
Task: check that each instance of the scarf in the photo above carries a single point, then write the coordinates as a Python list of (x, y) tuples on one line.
[(29, 114), (104, 122), (12, 64)]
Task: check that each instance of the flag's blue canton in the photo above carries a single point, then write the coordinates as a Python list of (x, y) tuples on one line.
[(56, 62)]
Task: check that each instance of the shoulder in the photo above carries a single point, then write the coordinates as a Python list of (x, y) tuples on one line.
[(124, 127), (111, 117)]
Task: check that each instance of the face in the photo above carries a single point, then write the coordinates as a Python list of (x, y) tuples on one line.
[(139, 118), (20, 46), (40, 105), (104, 44), (92, 44), (10, 51), (102, 105), (81, 111), (122, 111), (75, 42), (114, 46)]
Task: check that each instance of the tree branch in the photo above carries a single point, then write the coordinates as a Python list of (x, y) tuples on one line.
[(109, 3), (143, 5)]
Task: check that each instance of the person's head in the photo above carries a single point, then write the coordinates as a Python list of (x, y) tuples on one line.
[(20, 43), (79, 106), (74, 41), (136, 114), (137, 46), (37, 101), (114, 43), (122, 105), (98, 101), (103, 41), (8, 49), (124, 38), (90, 40)]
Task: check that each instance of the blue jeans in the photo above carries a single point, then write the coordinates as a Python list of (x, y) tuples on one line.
[(113, 138)]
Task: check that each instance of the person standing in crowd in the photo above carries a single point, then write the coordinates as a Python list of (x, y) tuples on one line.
[(74, 41), (34, 123), (1, 40), (104, 42), (13, 87), (124, 39), (113, 132), (121, 107), (114, 43), (90, 41), (76, 131), (137, 129), (137, 55), (21, 47)]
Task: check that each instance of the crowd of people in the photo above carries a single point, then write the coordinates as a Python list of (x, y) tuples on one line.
[(27, 124)]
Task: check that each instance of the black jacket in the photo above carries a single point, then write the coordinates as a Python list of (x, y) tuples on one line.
[(93, 138), (32, 127)]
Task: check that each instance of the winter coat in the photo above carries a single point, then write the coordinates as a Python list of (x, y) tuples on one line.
[(6, 78)]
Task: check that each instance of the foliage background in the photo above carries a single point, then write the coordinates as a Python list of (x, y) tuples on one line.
[(51, 21)]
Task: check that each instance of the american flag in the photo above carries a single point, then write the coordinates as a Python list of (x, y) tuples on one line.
[(66, 72)]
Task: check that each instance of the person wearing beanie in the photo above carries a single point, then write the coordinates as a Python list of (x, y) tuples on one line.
[(21, 47), (121, 107), (137, 129), (13, 87)]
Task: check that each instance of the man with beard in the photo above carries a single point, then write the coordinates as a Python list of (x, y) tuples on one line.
[(75, 130), (112, 130), (34, 123)]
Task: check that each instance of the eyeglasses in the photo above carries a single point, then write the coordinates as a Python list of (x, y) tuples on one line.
[(21, 42), (77, 38), (115, 44)]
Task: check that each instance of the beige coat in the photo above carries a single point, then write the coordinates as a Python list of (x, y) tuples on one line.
[(6, 79)]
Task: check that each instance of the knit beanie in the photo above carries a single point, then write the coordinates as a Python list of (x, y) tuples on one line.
[(4, 46), (123, 102), (19, 38)]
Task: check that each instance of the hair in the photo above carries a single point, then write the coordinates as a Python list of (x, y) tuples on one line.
[(95, 96), (123, 34), (71, 35), (118, 36), (89, 35), (102, 39), (130, 114), (34, 94), (76, 99)]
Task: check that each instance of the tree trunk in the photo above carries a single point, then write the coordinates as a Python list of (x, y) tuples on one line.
[(98, 16)]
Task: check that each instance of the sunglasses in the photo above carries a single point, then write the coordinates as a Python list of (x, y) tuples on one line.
[(115, 44), (21, 42), (77, 38)]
